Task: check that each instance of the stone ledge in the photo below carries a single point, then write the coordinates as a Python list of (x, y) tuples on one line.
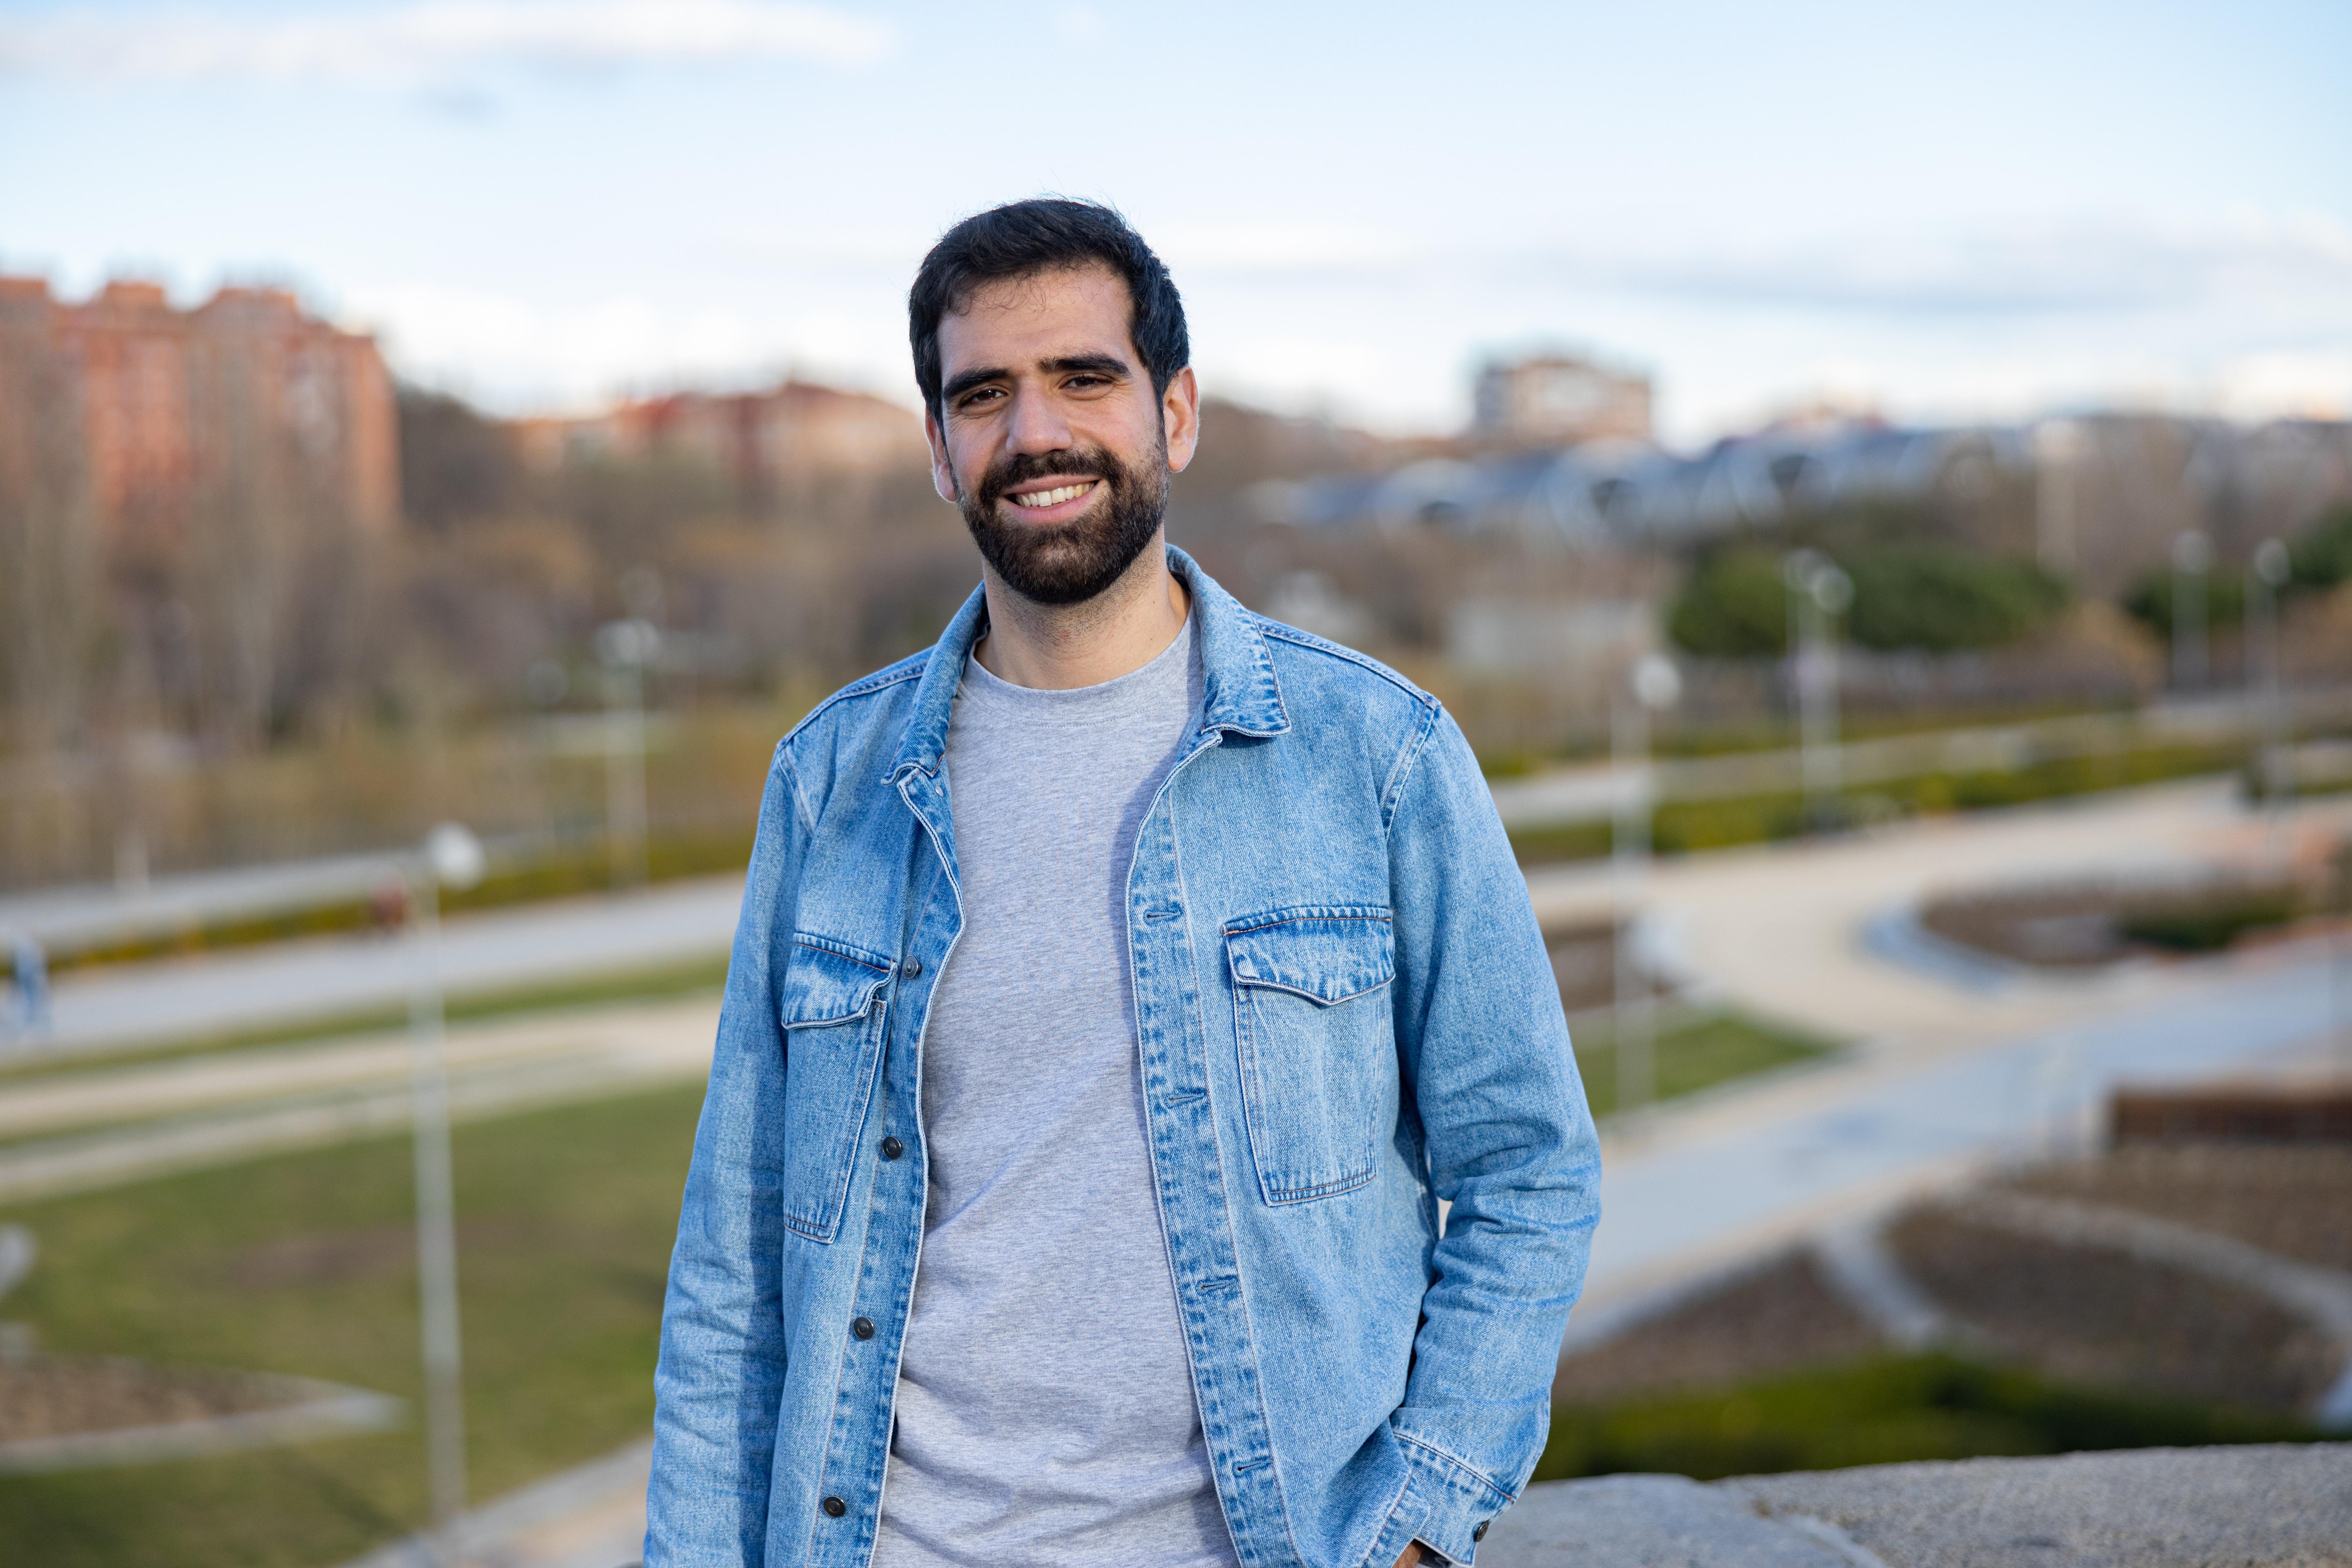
[(2265, 1506)]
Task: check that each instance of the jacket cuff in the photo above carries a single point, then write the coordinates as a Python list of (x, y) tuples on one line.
[(1461, 1502)]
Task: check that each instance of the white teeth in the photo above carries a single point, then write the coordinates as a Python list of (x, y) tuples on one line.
[(1039, 500)]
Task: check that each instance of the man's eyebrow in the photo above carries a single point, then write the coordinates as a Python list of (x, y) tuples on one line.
[(1069, 364), (1101, 364), (969, 379)]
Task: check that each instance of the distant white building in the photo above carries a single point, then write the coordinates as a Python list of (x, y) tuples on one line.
[(1556, 400)]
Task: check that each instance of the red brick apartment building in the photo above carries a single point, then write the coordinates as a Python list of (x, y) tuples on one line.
[(769, 442), (188, 500), (153, 410)]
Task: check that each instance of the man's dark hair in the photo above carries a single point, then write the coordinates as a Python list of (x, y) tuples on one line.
[(1045, 233)]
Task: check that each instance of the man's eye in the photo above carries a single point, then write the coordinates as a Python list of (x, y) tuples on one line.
[(975, 399)]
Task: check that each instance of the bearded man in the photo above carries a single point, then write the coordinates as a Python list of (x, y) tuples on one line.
[(1123, 990)]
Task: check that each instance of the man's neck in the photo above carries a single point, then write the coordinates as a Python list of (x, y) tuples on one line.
[(1058, 648)]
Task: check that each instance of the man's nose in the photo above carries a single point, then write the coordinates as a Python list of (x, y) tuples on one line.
[(1037, 425)]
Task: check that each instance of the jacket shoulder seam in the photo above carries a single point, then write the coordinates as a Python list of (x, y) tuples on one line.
[(911, 668), (793, 782), (1401, 772), (897, 673), (1309, 640)]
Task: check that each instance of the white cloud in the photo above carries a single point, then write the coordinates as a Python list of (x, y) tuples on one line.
[(2249, 316), (529, 355), (436, 36), (2023, 270), (2287, 383)]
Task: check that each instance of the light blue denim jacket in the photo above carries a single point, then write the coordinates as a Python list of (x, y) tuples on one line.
[(1345, 1015)]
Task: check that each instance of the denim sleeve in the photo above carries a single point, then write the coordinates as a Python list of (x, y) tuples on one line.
[(722, 1342), (1509, 1139)]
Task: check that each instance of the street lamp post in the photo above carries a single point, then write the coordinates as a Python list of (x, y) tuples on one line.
[(2192, 557), (1653, 686), (2057, 446), (2339, 964), (450, 856), (624, 648), (2266, 573), (1818, 593)]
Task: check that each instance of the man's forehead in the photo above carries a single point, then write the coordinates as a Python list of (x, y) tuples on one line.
[(1072, 308)]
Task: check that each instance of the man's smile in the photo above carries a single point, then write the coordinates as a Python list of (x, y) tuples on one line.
[(1053, 503)]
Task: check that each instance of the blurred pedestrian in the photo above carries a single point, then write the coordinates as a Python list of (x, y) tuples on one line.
[(31, 965), (1121, 986), (388, 908)]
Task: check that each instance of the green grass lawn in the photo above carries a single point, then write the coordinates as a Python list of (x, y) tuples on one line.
[(304, 1264), (1692, 1054), (1884, 1410)]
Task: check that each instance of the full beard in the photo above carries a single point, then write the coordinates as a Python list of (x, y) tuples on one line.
[(1068, 562)]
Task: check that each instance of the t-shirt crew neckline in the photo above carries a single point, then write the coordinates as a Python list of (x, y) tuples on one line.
[(980, 682)]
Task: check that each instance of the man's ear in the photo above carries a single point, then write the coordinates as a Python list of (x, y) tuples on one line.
[(1179, 414), (942, 470)]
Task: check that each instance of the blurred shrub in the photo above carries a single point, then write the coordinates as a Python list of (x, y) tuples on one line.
[(1941, 597), (2211, 922), (1907, 593), (2151, 598), (1884, 1410), (1732, 606), (2321, 556)]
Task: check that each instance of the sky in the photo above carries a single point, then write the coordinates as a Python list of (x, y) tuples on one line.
[(1946, 212)]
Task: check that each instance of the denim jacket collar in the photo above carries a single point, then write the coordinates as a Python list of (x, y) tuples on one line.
[(1239, 691)]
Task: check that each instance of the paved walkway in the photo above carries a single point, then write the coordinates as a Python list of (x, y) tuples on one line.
[(291, 982), (1713, 1181), (592, 1516), (1783, 928)]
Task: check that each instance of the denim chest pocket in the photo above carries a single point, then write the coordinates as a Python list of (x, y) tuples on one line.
[(833, 1009), (1311, 1013)]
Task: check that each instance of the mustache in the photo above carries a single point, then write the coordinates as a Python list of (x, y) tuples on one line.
[(1022, 466)]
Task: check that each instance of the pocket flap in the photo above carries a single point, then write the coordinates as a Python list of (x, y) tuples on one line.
[(1326, 954), (829, 981)]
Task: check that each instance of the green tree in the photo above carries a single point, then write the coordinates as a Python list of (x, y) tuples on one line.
[(2321, 555), (1923, 594), (1732, 605), (1907, 593), (2150, 599)]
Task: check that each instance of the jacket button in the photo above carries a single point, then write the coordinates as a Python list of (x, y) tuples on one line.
[(911, 968), (863, 1328), (834, 1507), (1480, 1534), (892, 1147)]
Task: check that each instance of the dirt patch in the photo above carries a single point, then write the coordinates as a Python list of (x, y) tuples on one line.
[(2091, 1315), (51, 1396), (2078, 925), (1775, 1318), (2295, 1200)]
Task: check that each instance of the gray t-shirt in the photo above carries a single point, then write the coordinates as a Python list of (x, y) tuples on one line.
[(1044, 1406)]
